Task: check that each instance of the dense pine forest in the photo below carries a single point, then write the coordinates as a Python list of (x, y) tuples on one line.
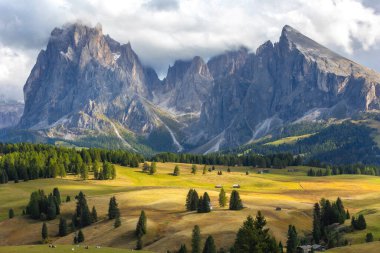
[(25, 161)]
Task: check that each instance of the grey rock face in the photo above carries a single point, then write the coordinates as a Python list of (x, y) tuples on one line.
[(10, 112), (186, 86), (285, 82), (83, 79), (87, 83)]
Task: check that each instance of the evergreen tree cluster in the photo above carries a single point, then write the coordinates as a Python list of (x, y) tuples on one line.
[(292, 241), (82, 216), (325, 214), (44, 207), (202, 204), (192, 200), (358, 223), (176, 171), (23, 161), (253, 236), (107, 171)]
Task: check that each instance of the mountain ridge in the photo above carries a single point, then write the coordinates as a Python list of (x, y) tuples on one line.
[(87, 84)]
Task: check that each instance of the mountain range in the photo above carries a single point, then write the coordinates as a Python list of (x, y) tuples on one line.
[(86, 89)]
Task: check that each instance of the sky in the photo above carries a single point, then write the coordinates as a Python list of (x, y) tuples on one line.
[(162, 31)]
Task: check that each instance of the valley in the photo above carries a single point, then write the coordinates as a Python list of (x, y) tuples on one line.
[(162, 196)]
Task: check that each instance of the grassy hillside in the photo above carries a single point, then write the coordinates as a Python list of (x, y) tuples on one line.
[(162, 196), (62, 249), (372, 247), (340, 142)]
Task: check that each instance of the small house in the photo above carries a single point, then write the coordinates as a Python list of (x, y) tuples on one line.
[(236, 186), (310, 248)]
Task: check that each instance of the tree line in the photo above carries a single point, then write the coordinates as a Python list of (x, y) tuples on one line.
[(353, 169), (24, 161), (279, 160)]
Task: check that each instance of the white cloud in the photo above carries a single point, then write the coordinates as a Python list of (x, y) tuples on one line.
[(164, 30)]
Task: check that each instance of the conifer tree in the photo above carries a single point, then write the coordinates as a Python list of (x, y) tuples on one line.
[(68, 199), (194, 201), (141, 227), (82, 211), (222, 198), (347, 215), (80, 237), (62, 229), (206, 205), (176, 171), (194, 169), (52, 208), (316, 223), (235, 201), (11, 213), (113, 209), (200, 205), (209, 245), (361, 223), (153, 168), (196, 240), (139, 243), (280, 247), (94, 214), (182, 249), (254, 237), (292, 242), (369, 237), (204, 170), (57, 195), (44, 232)]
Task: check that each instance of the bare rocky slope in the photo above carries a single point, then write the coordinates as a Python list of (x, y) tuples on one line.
[(85, 85)]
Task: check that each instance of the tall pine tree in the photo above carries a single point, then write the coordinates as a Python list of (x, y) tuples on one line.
[(209, 245), (196, 240), (235, 201), (113, 209)]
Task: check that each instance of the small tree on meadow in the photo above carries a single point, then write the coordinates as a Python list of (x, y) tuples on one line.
[(11, 213), (141, 227), (44, 232), (209, 245), (222, 198), (113, 209), (194, 169), (62, 229), (196, 240), (94, 214), (176, 171), (182, 249), (153, 168), (369, 237), (235, 201), (80, 236)]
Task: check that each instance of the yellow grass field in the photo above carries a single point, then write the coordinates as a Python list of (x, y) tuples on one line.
[(162, 196)]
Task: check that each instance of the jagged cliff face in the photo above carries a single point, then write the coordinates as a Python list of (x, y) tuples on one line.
[(294, 79), (10, 112), (87, 82)]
